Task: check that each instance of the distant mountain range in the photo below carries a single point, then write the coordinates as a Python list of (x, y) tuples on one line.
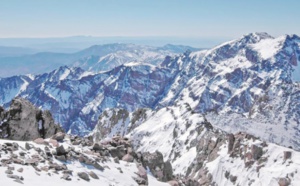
[(249, 84), (21, 61)]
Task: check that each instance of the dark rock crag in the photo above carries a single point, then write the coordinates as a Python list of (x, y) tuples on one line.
[(21, 122)]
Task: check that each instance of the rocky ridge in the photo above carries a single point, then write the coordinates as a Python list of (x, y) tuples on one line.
[(71, 158), (201, 154)]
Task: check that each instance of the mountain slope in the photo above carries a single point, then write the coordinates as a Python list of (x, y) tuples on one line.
[(252, 80), (201, 154), (234, 82)]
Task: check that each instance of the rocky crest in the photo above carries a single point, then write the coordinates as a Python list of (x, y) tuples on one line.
[(20, 122), (201, 154), (53, 157)]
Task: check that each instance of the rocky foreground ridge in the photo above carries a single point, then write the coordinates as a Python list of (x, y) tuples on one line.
[(170, 146), (199, 153)]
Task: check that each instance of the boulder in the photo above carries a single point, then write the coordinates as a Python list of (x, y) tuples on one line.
[(128, 158), (61, 151), (233, 178), (93, 175), (83, 176), (142, 172), (173, 183), (61, 158), (284, 182), (98, 147), (60, 136), (53, 142), (118, 151), (39, 141), (66, 177), (28, 146), (287, 155)]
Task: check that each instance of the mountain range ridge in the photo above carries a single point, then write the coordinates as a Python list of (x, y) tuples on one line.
[(237, 79)]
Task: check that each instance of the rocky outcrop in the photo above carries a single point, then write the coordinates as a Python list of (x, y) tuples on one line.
[(21, 122), (40, 154), (118, 121), (160, 169)]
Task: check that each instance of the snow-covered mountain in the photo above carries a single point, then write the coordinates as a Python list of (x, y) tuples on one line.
[(170, 146), (199, 153), (95, 58), (250, 84), (253, 80)]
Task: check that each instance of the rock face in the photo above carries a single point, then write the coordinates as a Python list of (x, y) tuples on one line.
[(160, 169), (118, 121), (21, 122)]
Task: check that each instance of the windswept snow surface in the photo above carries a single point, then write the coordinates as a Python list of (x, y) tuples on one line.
[(170, 131)]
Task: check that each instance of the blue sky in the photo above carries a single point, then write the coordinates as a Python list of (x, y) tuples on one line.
[(172, 18)]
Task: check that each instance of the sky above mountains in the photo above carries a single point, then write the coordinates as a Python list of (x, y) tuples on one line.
[(187, 20)]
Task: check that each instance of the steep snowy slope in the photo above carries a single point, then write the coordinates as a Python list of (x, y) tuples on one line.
[(243, 81), (13, 86), (203, 155)]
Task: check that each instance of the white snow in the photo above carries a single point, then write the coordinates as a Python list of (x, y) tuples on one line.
[(267, 48), (272, 169), (65, 74)]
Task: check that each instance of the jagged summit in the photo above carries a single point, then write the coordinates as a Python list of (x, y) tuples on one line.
[(257, 36)]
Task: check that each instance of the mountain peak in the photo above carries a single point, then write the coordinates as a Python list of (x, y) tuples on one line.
[(256, 37)]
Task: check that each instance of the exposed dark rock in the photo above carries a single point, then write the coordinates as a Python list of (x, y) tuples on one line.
[(83, 176), (8, 171), (54, 142), (128, 158), (98, 147), (61, 151), (28, 146), (39, 141), (230, 142), (173, 183), (20, 170), (66, 177), (93, 175), (61, 158), (22, 122), (233, 178), (284, 181), (287, 155), (256, 151), (98, 166), (161, 170), (58, 136)]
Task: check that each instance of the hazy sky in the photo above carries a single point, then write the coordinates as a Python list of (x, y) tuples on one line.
[(179, 18)]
